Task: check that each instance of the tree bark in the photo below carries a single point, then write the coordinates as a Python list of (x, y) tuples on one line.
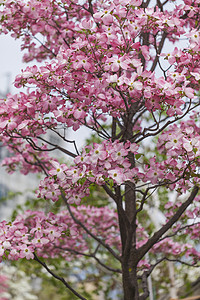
[(130, 285), (129, 252)]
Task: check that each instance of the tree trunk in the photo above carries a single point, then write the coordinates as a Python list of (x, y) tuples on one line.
[(129, 252), (130, 285)]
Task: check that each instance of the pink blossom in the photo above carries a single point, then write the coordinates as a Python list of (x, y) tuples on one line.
[(117, 176), (26, 251), (87, 24), (117, 62), (57, 170)]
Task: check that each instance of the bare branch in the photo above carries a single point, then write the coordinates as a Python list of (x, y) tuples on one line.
[(165, 125), (58, 147), (157, 235), (178, 230), (92, 255), (59, 278)]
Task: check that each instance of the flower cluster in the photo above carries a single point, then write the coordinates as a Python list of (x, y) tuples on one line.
[(81, 48), (98, 164), (55, 235), (19, 241), (177, 165), (169, 247)]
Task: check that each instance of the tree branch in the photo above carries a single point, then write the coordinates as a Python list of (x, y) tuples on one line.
[(178, 231), (157, 235), (59, 278), (100, 241), (158, 51), (92, 255), (58, 147)]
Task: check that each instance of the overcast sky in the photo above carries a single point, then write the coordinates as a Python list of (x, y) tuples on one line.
[(10, 61)]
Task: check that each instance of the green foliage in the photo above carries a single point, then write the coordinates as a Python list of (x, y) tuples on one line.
[(97, 197)]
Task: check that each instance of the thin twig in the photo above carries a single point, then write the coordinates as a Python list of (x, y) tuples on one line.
[(92, 255)]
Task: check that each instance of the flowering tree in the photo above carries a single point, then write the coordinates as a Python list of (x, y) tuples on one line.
[(105, 68)]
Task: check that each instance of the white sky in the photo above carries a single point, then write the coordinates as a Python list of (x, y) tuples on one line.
[(10, 61)]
